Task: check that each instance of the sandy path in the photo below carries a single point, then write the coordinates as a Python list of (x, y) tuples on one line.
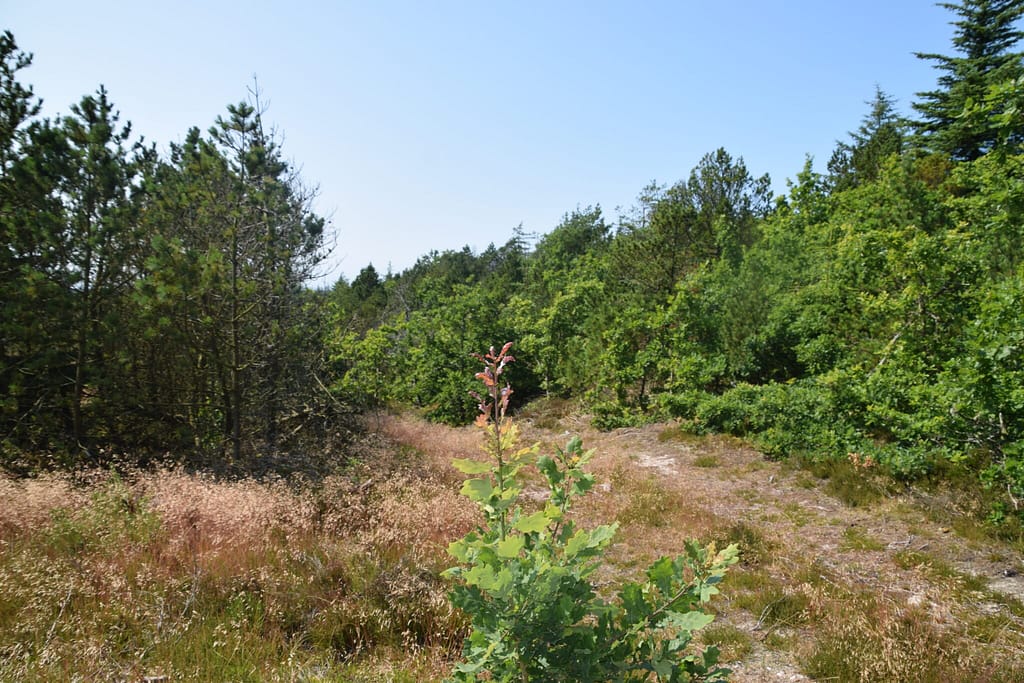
[(791, 509)]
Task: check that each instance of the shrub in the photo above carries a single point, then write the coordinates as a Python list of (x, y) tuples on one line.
[(525, 577)]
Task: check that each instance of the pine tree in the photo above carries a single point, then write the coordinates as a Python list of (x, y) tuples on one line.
[(236, 240), (880, 135), (712, 215), (985, 35), (99, 245), (18, 106)]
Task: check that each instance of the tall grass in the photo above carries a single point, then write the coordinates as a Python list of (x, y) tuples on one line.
[(180, 575)]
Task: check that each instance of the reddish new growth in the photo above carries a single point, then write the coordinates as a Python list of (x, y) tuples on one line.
[(494, 405)]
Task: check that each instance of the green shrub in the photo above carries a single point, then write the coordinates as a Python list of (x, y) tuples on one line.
[(524, 577)]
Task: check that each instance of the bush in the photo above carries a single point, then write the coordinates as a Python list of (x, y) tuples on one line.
[(525, 577)]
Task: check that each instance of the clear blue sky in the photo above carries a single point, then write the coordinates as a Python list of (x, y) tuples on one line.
[(431, 125)]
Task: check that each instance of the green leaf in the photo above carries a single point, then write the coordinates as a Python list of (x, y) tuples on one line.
[(553, 512), (467, 466), (480, 575), (688, 621), (578, 542), (477, 490), (458, 549), (632, 598), (502, 583), (549, 468), (706, 592), (663, 667), (661, 574), (510, 547), (534, 523), (603, 534), (727, 556)]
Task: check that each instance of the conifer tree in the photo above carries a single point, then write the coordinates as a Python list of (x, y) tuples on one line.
[(18, 106), (237, 240), (880, 135), (986, 33), (99, 240)]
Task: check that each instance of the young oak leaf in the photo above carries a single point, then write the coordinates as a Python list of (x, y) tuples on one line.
[(467, 466), (510, 547), (477, 490), (534, 523)]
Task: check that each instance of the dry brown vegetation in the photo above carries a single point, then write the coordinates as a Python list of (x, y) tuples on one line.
[(175, 574), (168, 573)]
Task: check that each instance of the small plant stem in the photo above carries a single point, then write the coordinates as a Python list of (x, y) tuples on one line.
[(682, 591), (498, 416)]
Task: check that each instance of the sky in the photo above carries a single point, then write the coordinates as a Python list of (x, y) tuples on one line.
[(430, 125)]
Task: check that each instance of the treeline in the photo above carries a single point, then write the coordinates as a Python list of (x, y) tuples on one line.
[(875, 312), (150, 302)]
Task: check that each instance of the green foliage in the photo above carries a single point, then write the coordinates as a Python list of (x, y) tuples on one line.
[(560, 255), (713, 214), (368, 367), (443, 337), (986, 33), (525, 576), (999, 114), (571, 320), (70, 200), (150, 302), (879, 137), (989, 205), (859, 316), (783, 419), (988, 384), (115, 517)]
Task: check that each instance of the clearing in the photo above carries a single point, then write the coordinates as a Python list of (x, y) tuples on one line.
[(883, 587), (175, 575)]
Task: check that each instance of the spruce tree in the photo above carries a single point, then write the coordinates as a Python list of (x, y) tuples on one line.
[(986, 33)]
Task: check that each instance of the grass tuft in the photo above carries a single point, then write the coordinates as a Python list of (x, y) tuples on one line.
[(755, 549), (649, 503), (706, 460), (855, 538), (734, 643), (852, 485), (869, 638)]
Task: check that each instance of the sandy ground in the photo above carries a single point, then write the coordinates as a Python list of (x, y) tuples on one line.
[(791, 509)]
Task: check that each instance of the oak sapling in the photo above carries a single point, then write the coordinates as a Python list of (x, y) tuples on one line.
[(524, 577)]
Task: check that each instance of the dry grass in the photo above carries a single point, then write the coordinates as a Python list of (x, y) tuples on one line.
[(867, 638), (435, 444), (28, 503), (174, 574)]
